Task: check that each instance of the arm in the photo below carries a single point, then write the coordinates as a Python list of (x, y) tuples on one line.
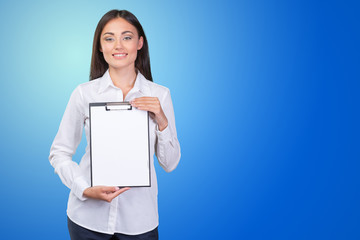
[(167, 147), (65, 143)]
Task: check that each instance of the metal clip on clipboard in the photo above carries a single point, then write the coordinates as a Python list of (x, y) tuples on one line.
[(118, 106)]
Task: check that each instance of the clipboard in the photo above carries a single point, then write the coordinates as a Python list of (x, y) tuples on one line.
[(119, 145)]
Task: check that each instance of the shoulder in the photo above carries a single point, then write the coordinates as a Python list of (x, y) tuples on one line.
[(155, 88), (158, 87), (88, 87), (90, 84)]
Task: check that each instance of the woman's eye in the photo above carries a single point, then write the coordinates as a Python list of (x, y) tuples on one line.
[(127, 38), (109, 39)]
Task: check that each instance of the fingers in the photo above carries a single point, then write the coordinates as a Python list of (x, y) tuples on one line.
[(145, 101), (109, 189), (113, 195), (104, 193), (151, 104)]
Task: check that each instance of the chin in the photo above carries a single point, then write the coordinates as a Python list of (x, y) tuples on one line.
[(120, 66)]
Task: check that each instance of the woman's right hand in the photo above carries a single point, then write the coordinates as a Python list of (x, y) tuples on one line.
[(104, 193)]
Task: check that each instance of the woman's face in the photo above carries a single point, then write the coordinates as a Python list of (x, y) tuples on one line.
[(119, 43)]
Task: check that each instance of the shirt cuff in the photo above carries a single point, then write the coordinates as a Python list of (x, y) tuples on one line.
[(79, 187), (164, 135)]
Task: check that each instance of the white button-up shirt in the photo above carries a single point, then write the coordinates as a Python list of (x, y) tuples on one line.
[(134, 211)]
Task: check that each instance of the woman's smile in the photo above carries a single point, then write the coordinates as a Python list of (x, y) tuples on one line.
[(120, 56)]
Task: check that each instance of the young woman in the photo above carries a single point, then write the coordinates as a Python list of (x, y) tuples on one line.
[(120, 71)]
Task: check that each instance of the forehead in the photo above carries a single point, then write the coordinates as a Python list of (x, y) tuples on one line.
[(117, 26)]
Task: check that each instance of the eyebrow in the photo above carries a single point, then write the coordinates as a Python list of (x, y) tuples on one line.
[(127, 32), (110, 33)]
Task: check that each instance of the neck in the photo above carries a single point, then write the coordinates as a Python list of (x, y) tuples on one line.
[(123, 78)]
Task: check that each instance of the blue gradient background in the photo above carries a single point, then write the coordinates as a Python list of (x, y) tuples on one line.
[(266, 96)]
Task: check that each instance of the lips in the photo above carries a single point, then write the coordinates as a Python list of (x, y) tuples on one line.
[(120, 55)]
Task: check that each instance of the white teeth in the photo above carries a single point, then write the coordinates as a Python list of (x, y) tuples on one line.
[(120, 55)]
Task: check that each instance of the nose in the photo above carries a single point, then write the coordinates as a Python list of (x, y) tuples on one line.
[(118, 44)]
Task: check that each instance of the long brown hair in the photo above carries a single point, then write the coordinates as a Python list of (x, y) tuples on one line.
[(99, 65)]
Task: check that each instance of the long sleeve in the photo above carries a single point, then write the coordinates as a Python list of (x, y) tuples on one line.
[(65, 144), (167, 146)]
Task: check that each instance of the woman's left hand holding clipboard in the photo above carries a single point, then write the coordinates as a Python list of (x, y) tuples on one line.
[(151, 104)]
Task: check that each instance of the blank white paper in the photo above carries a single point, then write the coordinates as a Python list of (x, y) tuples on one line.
[(119, 147)]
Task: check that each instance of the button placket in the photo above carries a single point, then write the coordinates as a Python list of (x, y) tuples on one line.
[(112, 215), (120, 95)]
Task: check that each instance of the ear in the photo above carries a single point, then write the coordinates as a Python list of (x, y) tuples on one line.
[(141, 43), (100, 49)]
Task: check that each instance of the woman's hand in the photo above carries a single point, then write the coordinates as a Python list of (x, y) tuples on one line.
[(104, 193), (152, 104)]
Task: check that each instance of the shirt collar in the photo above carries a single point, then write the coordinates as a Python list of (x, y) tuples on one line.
[(141, 83)]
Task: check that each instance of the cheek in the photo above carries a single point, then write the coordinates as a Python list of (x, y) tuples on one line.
[(106, 49), (134, 50), (132, 46), (107, 53)]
